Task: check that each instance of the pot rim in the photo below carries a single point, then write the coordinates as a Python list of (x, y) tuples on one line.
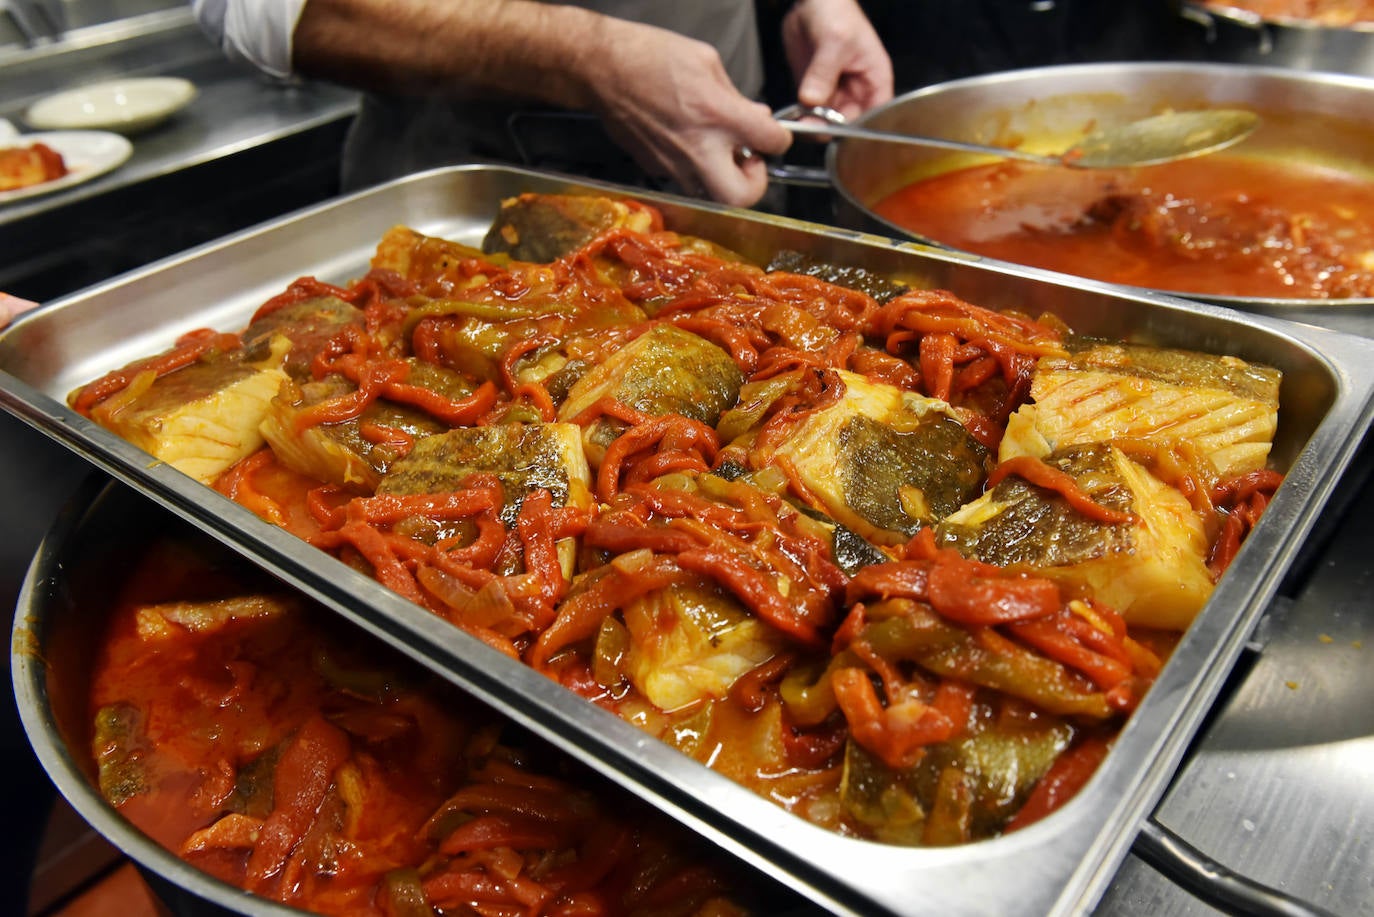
[(1253, 20), (1202, 70)]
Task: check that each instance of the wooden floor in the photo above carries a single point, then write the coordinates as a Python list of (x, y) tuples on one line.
[(121, 892), (80, 874)]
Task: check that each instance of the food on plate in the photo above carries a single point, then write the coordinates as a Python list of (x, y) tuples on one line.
[(1335, 13), (30, 164), (1223, 225), (899, 563), (273, 747)]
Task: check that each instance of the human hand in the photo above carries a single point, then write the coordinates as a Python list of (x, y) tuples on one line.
[(836, 57), (12, 306), (667, 100)]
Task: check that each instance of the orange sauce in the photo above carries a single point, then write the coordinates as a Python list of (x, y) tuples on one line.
[(1222, 225)]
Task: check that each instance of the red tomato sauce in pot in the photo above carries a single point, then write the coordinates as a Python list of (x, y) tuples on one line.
[(1222, 225)]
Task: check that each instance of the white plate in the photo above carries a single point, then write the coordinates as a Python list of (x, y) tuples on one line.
[(127, 106), (87, 154)]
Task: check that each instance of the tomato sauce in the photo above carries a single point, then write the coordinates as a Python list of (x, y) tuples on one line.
[(274, 749), (1221, 225)]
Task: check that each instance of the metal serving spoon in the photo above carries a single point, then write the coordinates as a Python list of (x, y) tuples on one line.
[(1162, 138)]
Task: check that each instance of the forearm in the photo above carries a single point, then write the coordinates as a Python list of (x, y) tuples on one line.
[(537, 51)]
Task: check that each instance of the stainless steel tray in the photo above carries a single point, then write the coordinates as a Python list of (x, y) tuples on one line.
[(1059, 866)]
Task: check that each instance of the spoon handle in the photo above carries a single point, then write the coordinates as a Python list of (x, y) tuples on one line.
[(860, 133)]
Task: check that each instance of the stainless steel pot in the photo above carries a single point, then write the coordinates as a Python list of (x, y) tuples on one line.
[(1239, 36), (1317, 118), (64, 601)]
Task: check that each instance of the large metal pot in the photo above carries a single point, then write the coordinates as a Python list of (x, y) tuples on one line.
[(62, 608), (1239, 36), (1316, 118)]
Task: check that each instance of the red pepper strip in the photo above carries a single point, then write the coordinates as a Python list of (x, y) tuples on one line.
[(929, 311), (1111, 643), (482, 550), (642, 436), (461, 890), (795, 482), (513, 355), (189, 348), (620, 537), (660, 463), (380, 550), (456, 412), (398, 441), (237, 485), (388, 509), (328, 505), (982, 428), (955, 700), (424, 341), (1048, 636), (814, 748), (758, 591), (937, 364), (1243, 499), (581, 613), (303, 777), (975, 374), (345, 352), (898, 733), (1066, 776), (611, 407), (893, 579), (743, 344), (886, 368), (1239, 489), (961, 591), (300, 290), (372, 378), (540, 398), (750, 691), (1227, 545), (1042, 475), (520, 833), (541, 553)]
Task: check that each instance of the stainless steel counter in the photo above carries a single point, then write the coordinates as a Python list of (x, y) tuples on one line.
[(235, 111), (1279, 786), (246, 149)]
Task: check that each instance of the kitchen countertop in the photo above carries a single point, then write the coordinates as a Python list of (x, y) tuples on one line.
[(246, 149), (234, 112)]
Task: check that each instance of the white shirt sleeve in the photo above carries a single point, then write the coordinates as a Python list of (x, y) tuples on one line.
[(258, 32)]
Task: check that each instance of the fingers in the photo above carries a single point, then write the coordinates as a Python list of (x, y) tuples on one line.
[(12, 306), (822, 77), (739, 185), (836, 57)]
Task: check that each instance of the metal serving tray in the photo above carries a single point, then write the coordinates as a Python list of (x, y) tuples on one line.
[(1058, 866)]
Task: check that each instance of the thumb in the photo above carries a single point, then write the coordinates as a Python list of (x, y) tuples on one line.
[(822, 77)]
